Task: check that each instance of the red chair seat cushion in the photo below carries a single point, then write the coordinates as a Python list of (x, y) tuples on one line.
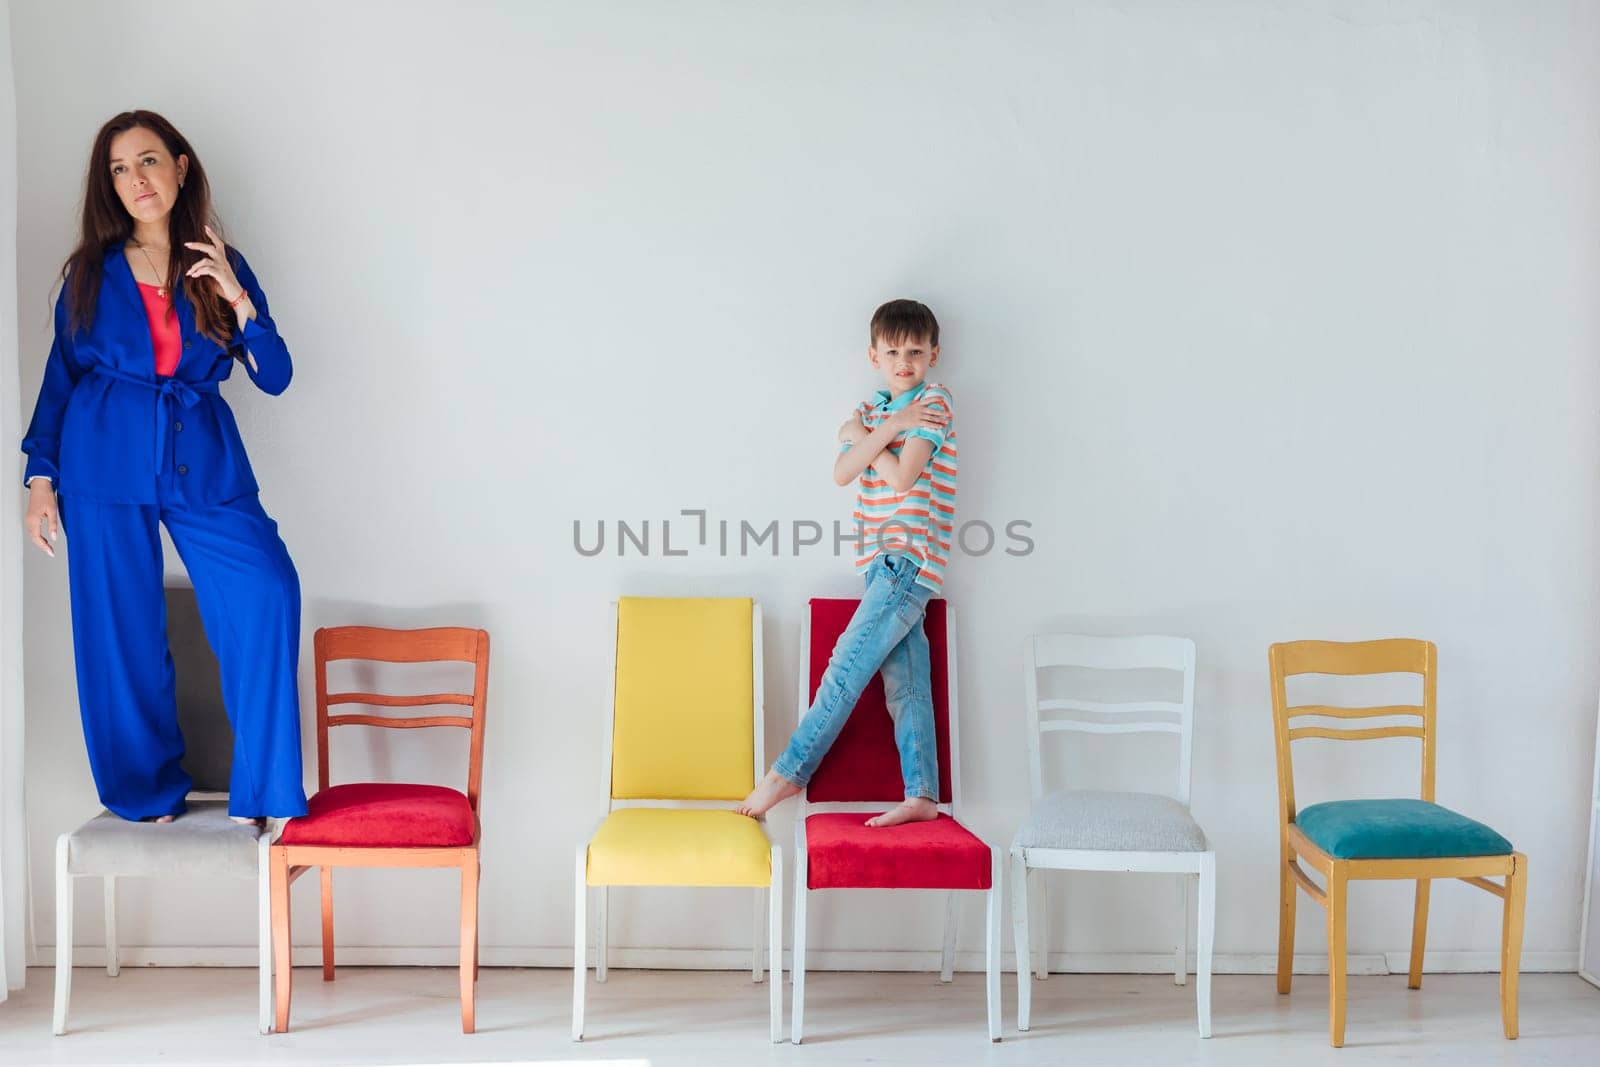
[(383, 815), (845, 853)]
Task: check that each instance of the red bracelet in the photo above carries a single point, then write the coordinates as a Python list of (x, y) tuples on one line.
[(234, 303)]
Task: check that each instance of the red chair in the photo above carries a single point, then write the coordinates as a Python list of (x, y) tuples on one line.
[(386, 824), (861, 775)]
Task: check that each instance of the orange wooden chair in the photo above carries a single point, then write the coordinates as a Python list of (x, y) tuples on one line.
[(386, 824)]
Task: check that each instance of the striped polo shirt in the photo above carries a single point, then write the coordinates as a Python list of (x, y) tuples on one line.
[(921, 521)]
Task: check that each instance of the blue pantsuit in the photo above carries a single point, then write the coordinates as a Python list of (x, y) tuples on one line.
[(127, 451)]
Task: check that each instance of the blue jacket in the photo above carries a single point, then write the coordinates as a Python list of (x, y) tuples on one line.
[(105, 427)]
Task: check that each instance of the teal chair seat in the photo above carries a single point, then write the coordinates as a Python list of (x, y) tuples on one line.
[(1396, 830)]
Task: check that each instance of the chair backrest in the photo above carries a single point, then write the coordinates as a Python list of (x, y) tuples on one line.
[(863, 766), (1392, 656), (202, 715), (686, 704), (443, 644), (1043, 652)]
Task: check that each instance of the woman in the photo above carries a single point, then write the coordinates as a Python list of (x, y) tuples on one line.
[(152, 314)]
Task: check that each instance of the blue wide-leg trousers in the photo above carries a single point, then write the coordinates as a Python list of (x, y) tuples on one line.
[(249, 599), (885, 634)]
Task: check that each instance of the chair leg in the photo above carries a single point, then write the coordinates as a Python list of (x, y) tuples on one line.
[(580, 938), (282, 962), (1286, 902), (1419, 934), (602, 933), (775, 944), (469, 940), (327, 924), (952, 913), (1511, 943), (991, 940), (1338, 898), (1206, 919), (759, 916), (797, 966), (113, 953), (264, 933), (1040, 920), (1180, 955), (477, 940), (63, 936), (1019, 937)]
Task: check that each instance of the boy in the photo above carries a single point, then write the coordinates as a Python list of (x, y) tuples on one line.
[(902, 447)]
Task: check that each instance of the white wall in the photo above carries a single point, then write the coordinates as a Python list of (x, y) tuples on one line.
[(1276, 321)]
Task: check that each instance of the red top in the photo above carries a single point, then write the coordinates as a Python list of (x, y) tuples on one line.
[(165, 336)]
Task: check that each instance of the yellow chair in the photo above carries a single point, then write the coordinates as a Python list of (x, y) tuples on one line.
[(685, 747), (1394, 839)]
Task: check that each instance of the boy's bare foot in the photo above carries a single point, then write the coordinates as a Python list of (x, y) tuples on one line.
[(773, 789), (912, 809)]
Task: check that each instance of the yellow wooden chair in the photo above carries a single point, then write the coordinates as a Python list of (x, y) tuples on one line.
[(686, 745), (1395, 839)]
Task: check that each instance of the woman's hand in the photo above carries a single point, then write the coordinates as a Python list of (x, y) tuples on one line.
[(918, 415), (852, 430), (42, 515), (214, 265)]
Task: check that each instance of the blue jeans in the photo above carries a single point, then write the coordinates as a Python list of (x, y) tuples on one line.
[(885, 632)]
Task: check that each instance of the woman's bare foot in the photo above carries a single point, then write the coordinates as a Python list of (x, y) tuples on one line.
[(773, 789), (912, 809), (248, 820), (157, 818)]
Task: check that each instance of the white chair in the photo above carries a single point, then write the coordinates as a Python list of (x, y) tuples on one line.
[(202, 843), (1084, 830)]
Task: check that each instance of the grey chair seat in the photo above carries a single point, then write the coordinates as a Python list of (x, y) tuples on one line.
[(1111, 822), (202, 843)]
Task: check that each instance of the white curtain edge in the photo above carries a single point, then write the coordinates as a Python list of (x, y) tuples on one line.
[(13, 824)]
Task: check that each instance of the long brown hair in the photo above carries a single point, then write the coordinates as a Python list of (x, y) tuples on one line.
[(107, 225)]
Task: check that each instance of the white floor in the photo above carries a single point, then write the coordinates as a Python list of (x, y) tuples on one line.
[(395, 1015)]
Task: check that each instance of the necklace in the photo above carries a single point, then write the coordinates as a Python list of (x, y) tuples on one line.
[(161, 290)]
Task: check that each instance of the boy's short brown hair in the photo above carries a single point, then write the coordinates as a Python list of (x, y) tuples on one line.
[(902, 320)]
